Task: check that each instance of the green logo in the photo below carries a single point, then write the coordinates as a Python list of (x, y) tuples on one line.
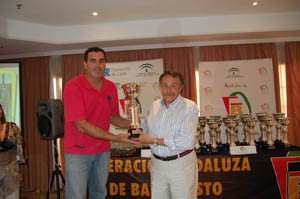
[(146, 67)]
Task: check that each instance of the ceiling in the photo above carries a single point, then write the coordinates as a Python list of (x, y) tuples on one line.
[(40, 27)]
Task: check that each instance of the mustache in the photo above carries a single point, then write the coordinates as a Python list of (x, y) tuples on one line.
[(169, 94), (97, 68)]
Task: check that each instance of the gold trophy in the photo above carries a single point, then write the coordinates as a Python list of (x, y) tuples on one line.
[(251, 124), (217, 119), (245, 120), (269, 123), (278, 118), (131, 91), (262, 117), (284, 131), (213, 126), (231, 125), (202, 122), (200, 135)]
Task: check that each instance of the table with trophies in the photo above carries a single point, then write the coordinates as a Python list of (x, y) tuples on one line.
[(221, 174)]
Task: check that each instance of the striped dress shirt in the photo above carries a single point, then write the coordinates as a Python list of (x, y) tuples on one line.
[(176, 124)]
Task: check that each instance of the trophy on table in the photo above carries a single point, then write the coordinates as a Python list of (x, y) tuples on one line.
[(200, 138), (131, 91), (218, 119), (262, 117), (236, 118), (278, 117), (231, 124), (284, 131), (245, 120), (226, 133), (269, 131), (251, 124), (213, 128)]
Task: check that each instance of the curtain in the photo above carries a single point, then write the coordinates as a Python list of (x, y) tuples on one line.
[(293, 88), (242, 52), (35, 86)]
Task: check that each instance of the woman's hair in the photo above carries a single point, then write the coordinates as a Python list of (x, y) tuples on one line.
[(2, 117)]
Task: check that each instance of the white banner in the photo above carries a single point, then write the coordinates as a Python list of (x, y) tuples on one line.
[(145, 73), (236, 87)]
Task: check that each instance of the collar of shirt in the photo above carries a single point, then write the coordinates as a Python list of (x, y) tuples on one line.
[(176, 101), (87, 84)]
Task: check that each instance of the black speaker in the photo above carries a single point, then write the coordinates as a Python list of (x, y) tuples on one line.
[(50, 118)]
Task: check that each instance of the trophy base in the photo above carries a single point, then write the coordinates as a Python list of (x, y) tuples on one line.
[(213, 149), (244, 143), (278, 143), (270, 146), (202, 148), (261, 144), (134, 133)]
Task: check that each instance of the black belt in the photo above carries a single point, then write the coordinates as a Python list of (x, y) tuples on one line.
[(173, 157)]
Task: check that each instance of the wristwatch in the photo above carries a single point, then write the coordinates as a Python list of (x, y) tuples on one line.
[(154, 141)]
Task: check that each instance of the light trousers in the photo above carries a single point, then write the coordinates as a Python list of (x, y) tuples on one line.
[(175, 179)]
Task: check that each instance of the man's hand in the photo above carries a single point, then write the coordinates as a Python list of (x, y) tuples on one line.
[(144, 138), (123, 137)]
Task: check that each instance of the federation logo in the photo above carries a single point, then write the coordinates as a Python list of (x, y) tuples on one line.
[(235, 102)]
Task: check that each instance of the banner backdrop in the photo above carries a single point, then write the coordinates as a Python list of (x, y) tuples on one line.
[(267, 174), (237, 87), (145, 73)]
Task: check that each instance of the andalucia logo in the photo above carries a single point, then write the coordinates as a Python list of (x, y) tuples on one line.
[(146, 67), (233, 72)]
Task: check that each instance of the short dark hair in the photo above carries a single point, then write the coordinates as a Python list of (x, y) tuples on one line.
[(172, 74), (2, 118), (93, 49)]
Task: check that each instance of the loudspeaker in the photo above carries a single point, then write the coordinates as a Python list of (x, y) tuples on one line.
[(50, 118)]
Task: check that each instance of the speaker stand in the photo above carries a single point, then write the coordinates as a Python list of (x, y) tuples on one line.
[(56, 173)]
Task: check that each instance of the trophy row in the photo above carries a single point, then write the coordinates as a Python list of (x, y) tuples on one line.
[(267, 123)]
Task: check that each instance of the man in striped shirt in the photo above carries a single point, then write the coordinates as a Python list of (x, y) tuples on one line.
[(169, 128)]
